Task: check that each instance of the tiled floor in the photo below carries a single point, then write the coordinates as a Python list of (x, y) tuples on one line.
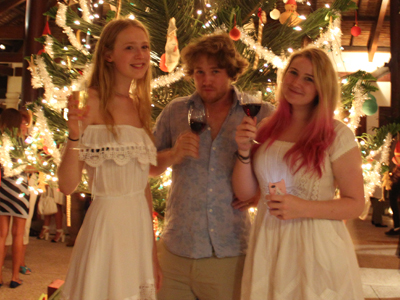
[(375, 252)]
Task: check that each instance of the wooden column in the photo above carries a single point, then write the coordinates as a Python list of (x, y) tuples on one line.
[(34, 24), (395, 60)]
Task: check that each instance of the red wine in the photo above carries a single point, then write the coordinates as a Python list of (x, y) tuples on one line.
[(197, 127), (251, 109)]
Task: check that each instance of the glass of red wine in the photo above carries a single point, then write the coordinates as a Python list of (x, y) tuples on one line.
[(197, 118), (251, 104)]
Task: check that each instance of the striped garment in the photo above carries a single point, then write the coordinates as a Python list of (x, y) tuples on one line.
[(14, 196)]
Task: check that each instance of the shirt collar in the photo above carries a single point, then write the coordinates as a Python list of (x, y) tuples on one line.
[(195, 97)]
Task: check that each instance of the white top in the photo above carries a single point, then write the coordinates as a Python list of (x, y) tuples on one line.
[(300, 258), (126, 158)]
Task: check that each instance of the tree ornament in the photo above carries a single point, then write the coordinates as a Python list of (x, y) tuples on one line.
[(234, 33), (163, 67), (396, 156), (355, 30), (45, 32), (275, 14), (170, 59), (370, 106), (290, 14), (262, 18)]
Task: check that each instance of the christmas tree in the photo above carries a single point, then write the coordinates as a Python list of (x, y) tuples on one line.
[(264, 35)]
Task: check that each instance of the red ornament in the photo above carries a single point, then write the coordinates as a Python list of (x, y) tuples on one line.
[(46, 150), (46, 29), (235, 33), (163, 67), (355, 30)]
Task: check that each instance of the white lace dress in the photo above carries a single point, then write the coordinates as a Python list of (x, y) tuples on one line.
[(112, 256), (305, 259)]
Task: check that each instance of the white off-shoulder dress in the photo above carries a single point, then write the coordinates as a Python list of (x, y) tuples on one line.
[(112, 256), (304, 259)]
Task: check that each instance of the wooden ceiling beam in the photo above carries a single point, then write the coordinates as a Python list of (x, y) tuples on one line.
[(363, 19), (10, 4), (11, 32), (376, 31), (11, 57), (6, 71), (364, 49)]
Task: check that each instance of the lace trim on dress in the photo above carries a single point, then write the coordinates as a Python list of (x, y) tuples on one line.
[(94, 157), (147, 292)]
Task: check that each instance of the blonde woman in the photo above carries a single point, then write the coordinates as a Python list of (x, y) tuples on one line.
[(114, 255), (299, 246)]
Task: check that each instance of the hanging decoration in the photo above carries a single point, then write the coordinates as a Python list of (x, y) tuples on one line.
[(262, 19), (275, 13), (290, 14), (170, 59), (118, 13), (5, 159), (371, 173), (356, 111), (46, 32), (249, 27), (235, 33), (61, 21), (268, 55), (355, 30), (370, 105), (167, 79)]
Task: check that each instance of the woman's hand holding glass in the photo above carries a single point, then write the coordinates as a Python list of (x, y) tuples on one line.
[(245, 134)]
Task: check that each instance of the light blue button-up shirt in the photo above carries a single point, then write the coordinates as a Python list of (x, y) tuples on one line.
[(199, 216)]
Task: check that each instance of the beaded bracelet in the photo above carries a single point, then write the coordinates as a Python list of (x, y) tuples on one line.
[(242, 159)]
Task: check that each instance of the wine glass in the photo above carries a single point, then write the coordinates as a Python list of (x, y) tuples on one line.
[(81, 95), (197, 118), (251, 104)]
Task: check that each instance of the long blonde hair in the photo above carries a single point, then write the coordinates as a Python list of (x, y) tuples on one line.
[(102, 78)]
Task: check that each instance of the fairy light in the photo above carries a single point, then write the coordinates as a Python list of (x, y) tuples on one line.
[(132, 17)]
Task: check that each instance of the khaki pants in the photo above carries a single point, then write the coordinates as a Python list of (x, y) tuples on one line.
[(205, 279)]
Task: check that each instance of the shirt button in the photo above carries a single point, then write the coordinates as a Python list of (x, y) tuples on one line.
[(210, 210), (210, 190), (212, 169), (212, 230), (209, 128), (214, 148)]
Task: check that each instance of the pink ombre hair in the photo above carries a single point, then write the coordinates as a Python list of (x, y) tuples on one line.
[(309, 150)]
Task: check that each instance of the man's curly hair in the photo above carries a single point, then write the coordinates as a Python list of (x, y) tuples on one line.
[(217, 46)]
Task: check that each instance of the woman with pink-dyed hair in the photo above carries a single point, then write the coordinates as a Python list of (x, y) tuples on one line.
[(299, 246)]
